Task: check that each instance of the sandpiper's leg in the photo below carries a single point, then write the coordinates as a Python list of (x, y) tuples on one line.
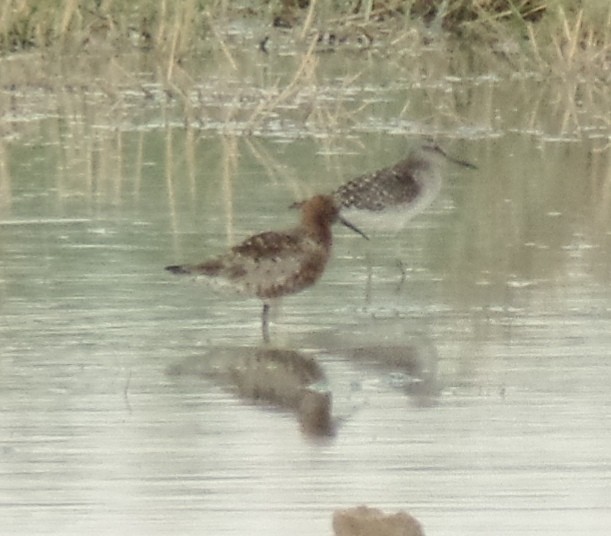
[(368, 284), (403, 275), (265, 322)]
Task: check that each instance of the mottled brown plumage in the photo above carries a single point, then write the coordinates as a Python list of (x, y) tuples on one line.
[(274, 263), (386, 187)]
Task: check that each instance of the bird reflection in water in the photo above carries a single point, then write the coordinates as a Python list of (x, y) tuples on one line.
[(287, 379), (407, 360), (411, 367)]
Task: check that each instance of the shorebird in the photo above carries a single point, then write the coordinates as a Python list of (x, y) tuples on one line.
[(275, 263), (388, 198)]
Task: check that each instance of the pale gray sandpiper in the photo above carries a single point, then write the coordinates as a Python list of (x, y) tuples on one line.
[(388, 198), (275, 263)]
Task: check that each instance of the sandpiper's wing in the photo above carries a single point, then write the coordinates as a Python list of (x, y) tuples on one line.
[(267, 265), (395, 185), (270, 245)]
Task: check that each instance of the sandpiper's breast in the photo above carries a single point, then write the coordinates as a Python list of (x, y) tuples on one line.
[(289, 273)]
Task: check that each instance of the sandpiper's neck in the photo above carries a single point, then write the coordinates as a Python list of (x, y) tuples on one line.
[(317, 216), (317, 228), (420, 163)]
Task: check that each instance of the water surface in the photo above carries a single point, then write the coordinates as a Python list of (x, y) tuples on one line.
[(473, 394)]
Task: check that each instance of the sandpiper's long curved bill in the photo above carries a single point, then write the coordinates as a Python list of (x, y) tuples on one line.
[(460, 162), (454, 160), (345, 222)]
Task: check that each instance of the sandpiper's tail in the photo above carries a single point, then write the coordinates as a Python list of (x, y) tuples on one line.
[(179, 269)]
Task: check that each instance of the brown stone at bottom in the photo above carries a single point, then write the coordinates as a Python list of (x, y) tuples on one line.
[(366, 521)]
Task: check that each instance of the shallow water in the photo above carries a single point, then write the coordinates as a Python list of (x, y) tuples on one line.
[(473, 394)]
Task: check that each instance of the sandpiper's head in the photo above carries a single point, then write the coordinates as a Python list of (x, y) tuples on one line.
[(321, 211)]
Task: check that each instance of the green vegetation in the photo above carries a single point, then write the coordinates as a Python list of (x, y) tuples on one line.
[(70, 24), (178, 29), (201, 60)]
